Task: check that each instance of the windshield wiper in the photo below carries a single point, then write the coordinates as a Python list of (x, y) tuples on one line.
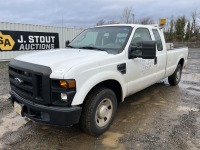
[(92, 47), (70, 46)]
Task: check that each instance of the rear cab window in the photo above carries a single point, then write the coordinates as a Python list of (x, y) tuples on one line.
[(158, 39)]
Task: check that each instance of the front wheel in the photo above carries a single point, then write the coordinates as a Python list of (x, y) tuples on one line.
[(98, 111), (175, 78)]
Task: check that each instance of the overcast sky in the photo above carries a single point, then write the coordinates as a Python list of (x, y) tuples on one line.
[(85, 13)]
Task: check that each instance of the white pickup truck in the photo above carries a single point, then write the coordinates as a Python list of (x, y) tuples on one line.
[(84, 82)]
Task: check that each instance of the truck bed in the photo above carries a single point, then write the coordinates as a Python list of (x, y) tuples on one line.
[(174, 55)]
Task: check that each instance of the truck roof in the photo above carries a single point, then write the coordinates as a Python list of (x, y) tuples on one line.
[(132, 25)]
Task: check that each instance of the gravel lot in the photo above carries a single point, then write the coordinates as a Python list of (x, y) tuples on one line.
[(159, 117)]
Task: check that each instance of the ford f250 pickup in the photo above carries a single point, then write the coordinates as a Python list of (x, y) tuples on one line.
[(84, 82)]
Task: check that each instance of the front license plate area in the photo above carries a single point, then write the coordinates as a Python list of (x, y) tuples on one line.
[(18, 108)]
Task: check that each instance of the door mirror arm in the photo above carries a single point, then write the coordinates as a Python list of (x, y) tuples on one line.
[(134, 52), (67, 43)]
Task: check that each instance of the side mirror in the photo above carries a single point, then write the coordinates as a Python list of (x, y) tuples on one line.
[(67, 43), (144, 49)]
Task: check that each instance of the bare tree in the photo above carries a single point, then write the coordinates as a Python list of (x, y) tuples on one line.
[(101, 22), (194, 28), (170, 31), (194, 16), (146, 20), (113, 22), (127, 15), (104, 22), (188, 31)]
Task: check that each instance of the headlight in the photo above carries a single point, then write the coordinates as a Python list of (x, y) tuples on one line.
[(64, 97), (62, 91)]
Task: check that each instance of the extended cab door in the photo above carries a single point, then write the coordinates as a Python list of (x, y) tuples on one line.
[(141, 73), (161, 53)]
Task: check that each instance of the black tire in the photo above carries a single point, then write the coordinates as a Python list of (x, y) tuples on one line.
[(95, 100), (175, 78)]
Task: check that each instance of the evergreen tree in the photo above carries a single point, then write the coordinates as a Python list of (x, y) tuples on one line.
[(171, 31), (180, 28), (188, 32)]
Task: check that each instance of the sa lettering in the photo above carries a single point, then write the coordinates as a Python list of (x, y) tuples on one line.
[(4, 43)]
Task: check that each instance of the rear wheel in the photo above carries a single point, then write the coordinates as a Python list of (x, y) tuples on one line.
[(175, 78), (98, 111)]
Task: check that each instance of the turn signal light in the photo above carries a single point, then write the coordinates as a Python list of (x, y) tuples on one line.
[(68, 83), (71, 84), (63, 83)]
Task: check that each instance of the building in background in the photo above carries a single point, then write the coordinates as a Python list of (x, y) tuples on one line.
[(17, 39)]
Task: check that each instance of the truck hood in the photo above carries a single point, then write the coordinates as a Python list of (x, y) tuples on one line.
[(62, 60)]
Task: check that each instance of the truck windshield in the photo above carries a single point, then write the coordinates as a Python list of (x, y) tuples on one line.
[(112, 39)]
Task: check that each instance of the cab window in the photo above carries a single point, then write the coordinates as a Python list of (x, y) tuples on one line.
[(141, 34), (112, 39), (88, 39), (158, 40)]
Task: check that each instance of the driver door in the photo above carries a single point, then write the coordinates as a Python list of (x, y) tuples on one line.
[(141, 73)]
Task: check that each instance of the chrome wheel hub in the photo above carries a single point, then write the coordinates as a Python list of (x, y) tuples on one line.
[(104, 112)]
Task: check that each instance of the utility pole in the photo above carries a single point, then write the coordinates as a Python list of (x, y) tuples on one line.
[(62, 32), (133, 17)]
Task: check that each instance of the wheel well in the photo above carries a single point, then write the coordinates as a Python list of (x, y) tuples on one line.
[(111, 84), (181, 62)]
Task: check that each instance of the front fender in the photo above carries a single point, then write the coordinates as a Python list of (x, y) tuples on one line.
[(94, 80)]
